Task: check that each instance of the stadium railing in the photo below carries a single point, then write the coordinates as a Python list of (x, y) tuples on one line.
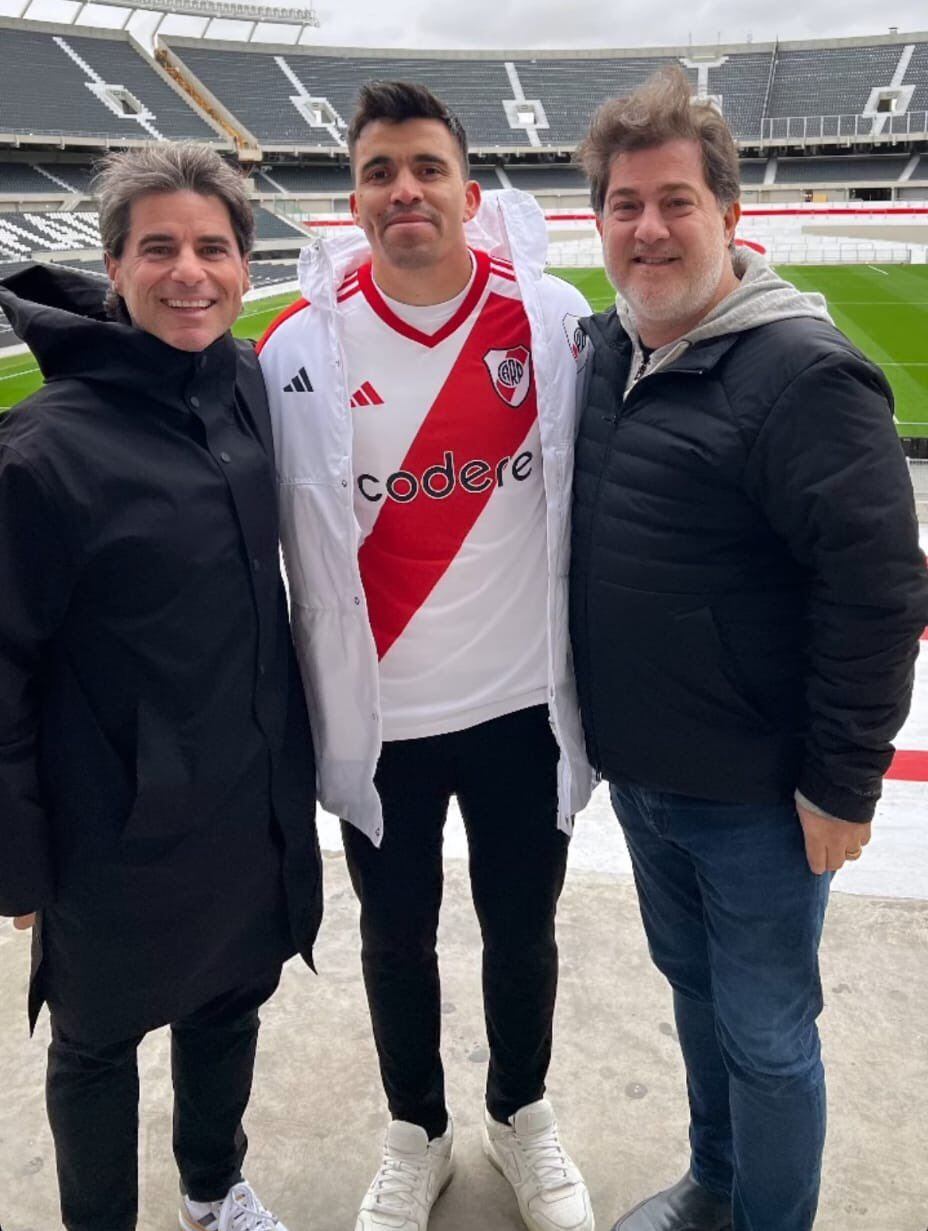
[(828, 127)]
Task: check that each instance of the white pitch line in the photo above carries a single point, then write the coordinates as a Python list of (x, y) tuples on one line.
[(878, 271), (24, 372)]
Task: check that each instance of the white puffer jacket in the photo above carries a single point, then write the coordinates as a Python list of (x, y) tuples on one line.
[(313, 444)]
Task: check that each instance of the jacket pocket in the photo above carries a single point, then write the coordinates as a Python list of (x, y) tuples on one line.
[(662, 654), (715, 669), (166, 795)]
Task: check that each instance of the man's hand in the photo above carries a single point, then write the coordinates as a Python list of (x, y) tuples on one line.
[(830, 842), (23, 923)]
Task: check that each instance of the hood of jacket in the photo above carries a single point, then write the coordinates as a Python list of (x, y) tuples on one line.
[(761, 298), (509, 224), (61, 315)]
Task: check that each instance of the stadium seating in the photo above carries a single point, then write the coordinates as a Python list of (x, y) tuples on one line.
[(571, 89), (840, 170), (23, 234), (258, 86), (740, 83), (833, 81), (31, 179), (45, 88), (546, 179), (486, 177), (753, 171), (307, 180), (19, 177), (270, 226)]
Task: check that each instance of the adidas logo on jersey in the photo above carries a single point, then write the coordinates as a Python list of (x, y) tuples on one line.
[(367, 395), (299, 384)]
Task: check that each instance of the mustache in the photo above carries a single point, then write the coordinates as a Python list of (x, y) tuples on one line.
[(410, 211)]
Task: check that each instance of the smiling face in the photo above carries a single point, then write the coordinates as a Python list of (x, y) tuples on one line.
[(666, 239), (412, 200), (181, 273)]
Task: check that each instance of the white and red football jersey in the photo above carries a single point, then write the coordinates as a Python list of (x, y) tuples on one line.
[(450, 500)]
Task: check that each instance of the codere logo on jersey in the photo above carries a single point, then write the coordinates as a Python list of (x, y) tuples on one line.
[(438, 482), (511, 373)]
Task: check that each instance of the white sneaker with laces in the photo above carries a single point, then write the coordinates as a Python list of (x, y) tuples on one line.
[(413, 1175), (241, 1210), (550, 1190)]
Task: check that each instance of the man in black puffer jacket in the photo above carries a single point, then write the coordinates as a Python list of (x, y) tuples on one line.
[(747, 595)]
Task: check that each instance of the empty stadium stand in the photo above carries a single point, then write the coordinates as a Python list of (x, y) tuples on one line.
[(740, 83), (753, 170), (839, 170), (49, 179), (546, 179), (259, 88), (299, 180), (830, 81), (571, 89), (23, 234), (293, 97), (55, 84), (270, 226)]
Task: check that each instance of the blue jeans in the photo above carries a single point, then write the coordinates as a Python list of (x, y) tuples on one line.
[(733, 917)]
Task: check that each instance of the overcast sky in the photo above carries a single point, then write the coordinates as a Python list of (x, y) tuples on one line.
[(555, 23)]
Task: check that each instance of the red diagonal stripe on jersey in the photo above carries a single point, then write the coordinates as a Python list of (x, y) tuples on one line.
[(372, 395), (412, 545), (360, 398)]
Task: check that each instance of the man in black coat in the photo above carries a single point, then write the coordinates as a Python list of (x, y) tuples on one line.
[(156, 765), (747, 594)]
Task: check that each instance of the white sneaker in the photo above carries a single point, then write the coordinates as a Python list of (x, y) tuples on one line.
[(550, 1190), (241, 1210), (413, 1175)]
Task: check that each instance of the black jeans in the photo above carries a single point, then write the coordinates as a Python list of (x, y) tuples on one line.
[(504, 775), (92, 1097)]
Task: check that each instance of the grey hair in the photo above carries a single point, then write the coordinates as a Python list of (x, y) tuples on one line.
[(170, 166), (659, 110)]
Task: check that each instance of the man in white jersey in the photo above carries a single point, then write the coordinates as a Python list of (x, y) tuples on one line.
[(423, 401)]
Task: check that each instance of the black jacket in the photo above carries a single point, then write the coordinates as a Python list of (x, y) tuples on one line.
[(747, 589), (156, 766)]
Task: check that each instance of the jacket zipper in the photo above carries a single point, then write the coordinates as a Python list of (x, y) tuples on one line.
[(592, 737)]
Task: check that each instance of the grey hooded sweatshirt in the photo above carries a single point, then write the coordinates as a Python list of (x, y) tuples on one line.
[(762, 297)]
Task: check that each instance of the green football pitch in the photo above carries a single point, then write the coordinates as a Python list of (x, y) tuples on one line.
[(883, 309)]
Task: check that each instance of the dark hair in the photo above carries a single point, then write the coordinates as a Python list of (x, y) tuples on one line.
[(396, 101), (169, 166), (662, 109)]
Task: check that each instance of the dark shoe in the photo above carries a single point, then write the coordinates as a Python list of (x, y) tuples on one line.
[(685, 1207)]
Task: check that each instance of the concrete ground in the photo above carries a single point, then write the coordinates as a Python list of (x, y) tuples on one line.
[(317, 1114)]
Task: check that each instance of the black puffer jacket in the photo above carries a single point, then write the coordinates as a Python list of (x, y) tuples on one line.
[(747, 585)]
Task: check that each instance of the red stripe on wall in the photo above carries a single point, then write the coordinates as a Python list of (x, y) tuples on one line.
[(909, 766)]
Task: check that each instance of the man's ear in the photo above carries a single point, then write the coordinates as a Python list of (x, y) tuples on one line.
[(472, 199), (599, 225), (732, 217), (112, 271), (353, 206)]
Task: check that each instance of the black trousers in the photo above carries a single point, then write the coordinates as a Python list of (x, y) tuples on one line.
[(503, 773), (92, 1097)]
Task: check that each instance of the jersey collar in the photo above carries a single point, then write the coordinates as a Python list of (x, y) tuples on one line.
[(389, 317)]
